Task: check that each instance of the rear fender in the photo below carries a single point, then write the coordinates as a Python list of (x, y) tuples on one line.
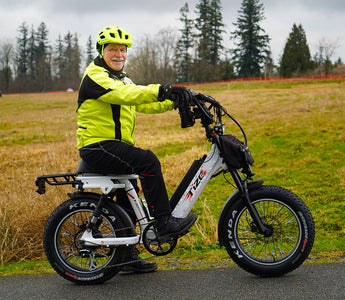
[(121, 212)]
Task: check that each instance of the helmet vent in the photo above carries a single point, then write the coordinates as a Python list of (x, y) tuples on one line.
[(126, 36), (120, 33), (112, 34)]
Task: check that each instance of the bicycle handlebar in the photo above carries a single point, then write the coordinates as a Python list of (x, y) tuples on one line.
[(198, 102)]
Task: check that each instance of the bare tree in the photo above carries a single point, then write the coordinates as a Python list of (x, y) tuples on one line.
[(166, 41), (6, 56), (326, 51), (152, 58), (142, 62)]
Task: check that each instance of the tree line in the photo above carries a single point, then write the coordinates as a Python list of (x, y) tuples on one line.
[(33, 65), (194, 53)]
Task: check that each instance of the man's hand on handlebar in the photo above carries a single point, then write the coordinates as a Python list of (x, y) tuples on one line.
[(173, 93), (182, 98)]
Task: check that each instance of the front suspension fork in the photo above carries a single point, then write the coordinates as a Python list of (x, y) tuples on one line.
[(242, 185)]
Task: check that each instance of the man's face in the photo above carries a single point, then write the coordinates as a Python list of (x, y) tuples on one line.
[(115, 56)]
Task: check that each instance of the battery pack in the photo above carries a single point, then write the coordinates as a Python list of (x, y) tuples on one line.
[(186, 181)]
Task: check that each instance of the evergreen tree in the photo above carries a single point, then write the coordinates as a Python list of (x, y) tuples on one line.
[(35, 64), (216, 31), (202, 24), (76, 60), (67, 62), (184, 45), (59, 64), (296, 58), (42, 59), (31, 57), (43, 46), (68, 49), (71, 61), (209, 24), (89, 51), (226, 68), (22, 64), (251, 40)]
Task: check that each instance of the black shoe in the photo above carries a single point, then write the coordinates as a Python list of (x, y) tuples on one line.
[(137, 264), (169, 226)]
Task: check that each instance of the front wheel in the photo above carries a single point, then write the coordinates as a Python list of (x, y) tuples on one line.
[(284, 250), (66, 253)]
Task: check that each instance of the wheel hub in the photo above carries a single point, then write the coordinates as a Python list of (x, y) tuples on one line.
[(273, 229)]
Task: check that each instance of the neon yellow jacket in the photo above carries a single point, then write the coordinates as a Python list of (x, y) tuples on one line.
[(108, 102)]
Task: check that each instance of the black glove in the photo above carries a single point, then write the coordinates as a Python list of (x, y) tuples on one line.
[(173, 93), (181, 98)]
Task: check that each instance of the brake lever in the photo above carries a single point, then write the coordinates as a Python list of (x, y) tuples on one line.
[(207, 98)]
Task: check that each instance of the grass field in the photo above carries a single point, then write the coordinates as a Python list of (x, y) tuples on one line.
[(295, 131)]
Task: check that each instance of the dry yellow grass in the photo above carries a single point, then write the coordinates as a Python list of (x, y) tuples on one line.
[(37, 136)]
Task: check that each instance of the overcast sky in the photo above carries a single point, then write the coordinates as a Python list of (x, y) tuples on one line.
[(321, 19)]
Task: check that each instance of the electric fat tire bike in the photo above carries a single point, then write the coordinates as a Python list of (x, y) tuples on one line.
[(267, 230)]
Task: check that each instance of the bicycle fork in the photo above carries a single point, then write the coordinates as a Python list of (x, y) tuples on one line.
[(260, 226)]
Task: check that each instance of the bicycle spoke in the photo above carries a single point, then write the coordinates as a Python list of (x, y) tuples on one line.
[(72, 251), (285, 227)]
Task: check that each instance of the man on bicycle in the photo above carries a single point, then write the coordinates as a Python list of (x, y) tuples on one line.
[(107, 103)]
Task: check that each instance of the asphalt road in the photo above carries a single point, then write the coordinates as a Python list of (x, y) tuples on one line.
[(310, 281)]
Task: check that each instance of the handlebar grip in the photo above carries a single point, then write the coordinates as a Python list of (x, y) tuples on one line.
[(186, 116)]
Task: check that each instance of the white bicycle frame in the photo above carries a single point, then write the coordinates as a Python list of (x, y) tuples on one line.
[(108, 184)]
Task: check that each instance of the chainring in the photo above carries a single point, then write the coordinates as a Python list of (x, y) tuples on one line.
[(156, 246)]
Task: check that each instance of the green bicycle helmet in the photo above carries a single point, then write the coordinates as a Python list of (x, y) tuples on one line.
[(112, 35)]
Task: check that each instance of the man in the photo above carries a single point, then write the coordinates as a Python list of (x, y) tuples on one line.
[(107, 103)]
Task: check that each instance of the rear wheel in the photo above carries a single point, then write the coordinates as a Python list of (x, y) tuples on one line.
[(283, 251), (69, 256)]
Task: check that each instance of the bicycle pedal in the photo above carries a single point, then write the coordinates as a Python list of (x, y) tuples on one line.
[(169, 236)]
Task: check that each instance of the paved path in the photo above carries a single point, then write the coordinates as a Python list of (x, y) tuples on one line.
[(310, 281)]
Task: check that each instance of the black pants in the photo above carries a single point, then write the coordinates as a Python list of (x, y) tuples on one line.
[(114, 157)]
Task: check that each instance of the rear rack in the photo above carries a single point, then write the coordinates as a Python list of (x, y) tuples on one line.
[(56, 179)]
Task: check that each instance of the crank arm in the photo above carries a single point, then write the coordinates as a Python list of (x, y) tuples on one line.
[(89, 240)]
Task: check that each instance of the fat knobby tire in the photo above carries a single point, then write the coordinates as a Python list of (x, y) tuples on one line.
[(293, 232), (56, 254)]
